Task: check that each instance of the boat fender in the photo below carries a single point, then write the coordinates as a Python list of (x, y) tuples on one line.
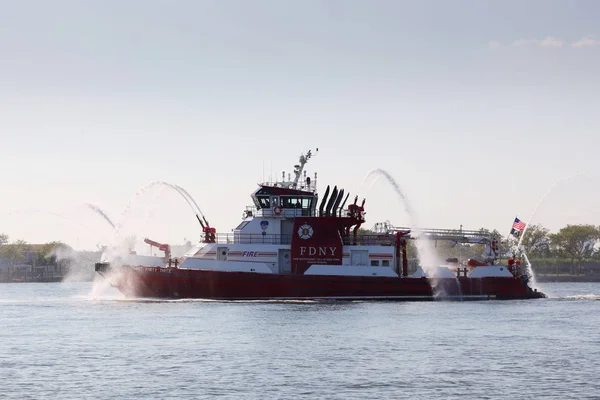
[(277, 210)]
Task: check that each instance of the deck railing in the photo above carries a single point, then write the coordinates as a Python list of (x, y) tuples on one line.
[(257, 238), (252, 238), (456, 235), (251, 211), (369, 240)]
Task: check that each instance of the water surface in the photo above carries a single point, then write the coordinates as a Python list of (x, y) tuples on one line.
[(71, 341)]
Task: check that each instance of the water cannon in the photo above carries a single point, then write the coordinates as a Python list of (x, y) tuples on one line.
[(161, 246), (353, 209), (209, 234)]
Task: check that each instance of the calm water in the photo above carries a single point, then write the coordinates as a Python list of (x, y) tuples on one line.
[(68, 341)]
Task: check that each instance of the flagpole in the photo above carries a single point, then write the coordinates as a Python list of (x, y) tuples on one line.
[(511, 229)]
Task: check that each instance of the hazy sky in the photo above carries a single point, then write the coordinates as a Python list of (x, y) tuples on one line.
[(475, 107)]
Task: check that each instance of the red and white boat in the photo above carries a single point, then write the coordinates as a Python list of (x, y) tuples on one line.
[(290, 247)]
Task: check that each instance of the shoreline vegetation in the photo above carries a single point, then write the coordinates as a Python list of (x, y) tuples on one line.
[(570, 255)]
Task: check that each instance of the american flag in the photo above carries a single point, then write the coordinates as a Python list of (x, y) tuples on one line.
[(517, 228), (518, 224)]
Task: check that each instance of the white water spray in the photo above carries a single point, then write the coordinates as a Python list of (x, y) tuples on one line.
[(99, 211), (426, 253), (122, 245), (550, 190), (189, 199), (535, 209), (403, 198), (103, 290), (120, 250), (178, 189)]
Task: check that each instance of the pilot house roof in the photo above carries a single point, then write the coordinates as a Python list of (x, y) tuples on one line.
[(281, 191)]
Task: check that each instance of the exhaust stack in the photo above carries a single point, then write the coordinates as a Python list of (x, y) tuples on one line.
[(337, 203), (322, 206), (332, 199)]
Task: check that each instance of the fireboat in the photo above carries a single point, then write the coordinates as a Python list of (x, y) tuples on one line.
[(291, 246)]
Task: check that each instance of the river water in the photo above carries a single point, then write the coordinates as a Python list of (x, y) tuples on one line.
[(76, 341)]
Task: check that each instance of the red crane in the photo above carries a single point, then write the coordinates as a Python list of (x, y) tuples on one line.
[(161, 246)]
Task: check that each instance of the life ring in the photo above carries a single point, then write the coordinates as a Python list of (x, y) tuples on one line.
[(277, 210)]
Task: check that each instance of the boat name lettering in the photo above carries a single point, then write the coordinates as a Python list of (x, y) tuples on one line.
[(321, 250), (250, 254)]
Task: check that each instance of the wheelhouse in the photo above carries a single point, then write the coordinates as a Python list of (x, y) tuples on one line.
[(278, 201)]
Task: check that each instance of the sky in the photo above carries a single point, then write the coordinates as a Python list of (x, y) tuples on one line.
[(478, 109)]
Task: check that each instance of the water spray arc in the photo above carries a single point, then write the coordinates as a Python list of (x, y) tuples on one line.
[(535, 209), (550, 190), (178, 189), (188, 198), (122, 246), (426, 253), (101, 213), (381, 172)]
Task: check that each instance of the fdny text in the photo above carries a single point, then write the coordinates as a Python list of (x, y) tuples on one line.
[(317, 251)]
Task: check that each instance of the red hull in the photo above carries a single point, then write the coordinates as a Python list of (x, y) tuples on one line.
[(179, 283)]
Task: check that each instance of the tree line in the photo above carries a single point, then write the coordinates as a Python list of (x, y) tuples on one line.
[(20, 250), (576, 244)]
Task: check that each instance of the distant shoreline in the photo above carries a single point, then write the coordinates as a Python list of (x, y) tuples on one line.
[(43, 280)]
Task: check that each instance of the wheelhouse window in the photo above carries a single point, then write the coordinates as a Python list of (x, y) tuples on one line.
[(291, 202), (241, 225), (264, 202), (296, 202)]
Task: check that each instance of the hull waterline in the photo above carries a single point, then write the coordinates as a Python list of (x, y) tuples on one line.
[(172, 283)]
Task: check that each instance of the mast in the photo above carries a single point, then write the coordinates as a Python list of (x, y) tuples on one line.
[(300, 167)]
